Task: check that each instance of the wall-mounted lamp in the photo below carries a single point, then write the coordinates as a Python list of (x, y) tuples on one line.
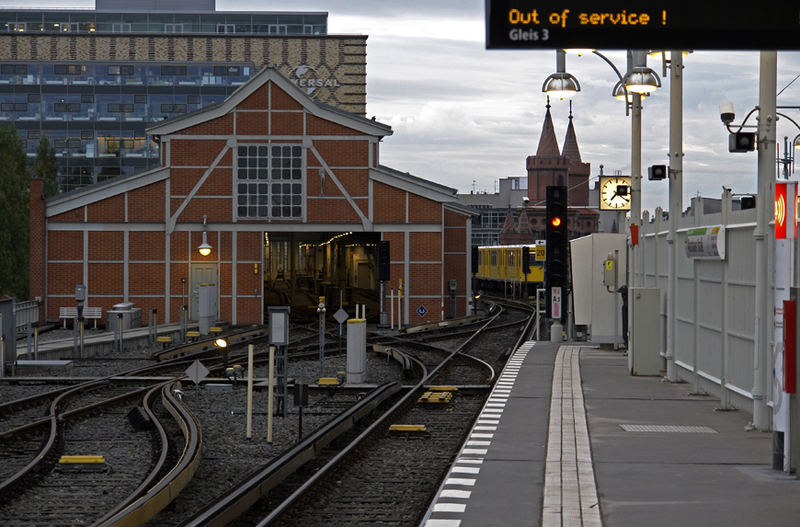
[(204, 248)]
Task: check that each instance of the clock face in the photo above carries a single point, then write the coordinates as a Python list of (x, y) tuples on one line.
[(615, 193)]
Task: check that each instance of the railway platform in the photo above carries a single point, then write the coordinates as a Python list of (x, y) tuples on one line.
[(568, 437)]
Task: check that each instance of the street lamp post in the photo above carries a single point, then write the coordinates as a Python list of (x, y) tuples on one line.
[(638, 82)]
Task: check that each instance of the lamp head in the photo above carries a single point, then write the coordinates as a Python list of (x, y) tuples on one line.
[(641, 80), (221, 342), (561, 85), (204, 248)]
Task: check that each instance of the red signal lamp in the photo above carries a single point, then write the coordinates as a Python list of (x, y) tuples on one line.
[(556, 221)]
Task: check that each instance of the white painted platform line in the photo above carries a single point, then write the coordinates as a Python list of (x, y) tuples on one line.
[(570, 492), (470, 458)]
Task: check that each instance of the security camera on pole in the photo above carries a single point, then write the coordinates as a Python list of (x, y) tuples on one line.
[(556, 259)]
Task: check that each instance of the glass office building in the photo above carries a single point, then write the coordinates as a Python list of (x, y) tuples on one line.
[(94, 81)]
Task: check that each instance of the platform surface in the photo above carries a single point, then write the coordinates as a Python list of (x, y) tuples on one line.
[(654, 455)]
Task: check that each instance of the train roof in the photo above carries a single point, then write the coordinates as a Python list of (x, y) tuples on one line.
[(541, 242)]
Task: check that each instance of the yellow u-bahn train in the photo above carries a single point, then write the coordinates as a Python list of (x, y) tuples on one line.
[(501, 265)]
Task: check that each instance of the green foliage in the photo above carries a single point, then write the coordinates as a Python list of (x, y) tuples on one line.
[(14, 224), (45, 166)]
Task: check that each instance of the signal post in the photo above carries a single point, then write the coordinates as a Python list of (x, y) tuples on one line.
[(556, 272)]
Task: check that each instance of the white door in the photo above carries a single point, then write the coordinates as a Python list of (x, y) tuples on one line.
[(200, 274)]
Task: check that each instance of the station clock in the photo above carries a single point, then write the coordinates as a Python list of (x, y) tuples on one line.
[(615, 193)]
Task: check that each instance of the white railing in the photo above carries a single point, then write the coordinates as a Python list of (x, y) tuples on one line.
[(715, 299), (25, 313)]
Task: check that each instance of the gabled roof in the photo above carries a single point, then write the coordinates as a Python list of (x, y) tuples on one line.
[(414, 184), (265, 75), (548, 146)]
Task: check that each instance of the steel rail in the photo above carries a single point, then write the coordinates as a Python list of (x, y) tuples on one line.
[(168, 488), (280, 509), (239, 499), (159, 465)]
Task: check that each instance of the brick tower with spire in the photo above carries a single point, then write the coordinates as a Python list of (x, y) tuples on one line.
[(551, 167), (548, 167)]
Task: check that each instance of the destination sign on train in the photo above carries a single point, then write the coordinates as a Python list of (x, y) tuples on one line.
[(679, 24)]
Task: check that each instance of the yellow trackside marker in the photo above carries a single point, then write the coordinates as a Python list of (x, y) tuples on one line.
[(328, 381), (164, 339), (192, 334), (443, 388), (82, 460), (407, 428)]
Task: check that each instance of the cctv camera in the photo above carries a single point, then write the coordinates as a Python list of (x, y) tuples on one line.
[(726, 112)]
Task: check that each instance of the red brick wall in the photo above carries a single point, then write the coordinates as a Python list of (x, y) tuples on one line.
[(280, 100), (426, 246), (422, 210), (146, 204), (62, 279), (342, 153), (455, 240), (146, 279), (65, 245), (248, 246), (109, 210), (252, 123), (106, 245), (219, 126), (69, 216), (388, 204), (256, 100), (330, 210), (37, 259), (145, 245), (317, 126), (105, 279), (287, 123), (196, 152)]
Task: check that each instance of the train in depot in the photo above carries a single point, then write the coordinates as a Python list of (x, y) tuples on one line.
[(500, 267)]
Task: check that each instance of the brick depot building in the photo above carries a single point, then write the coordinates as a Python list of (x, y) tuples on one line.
[(266, 167)]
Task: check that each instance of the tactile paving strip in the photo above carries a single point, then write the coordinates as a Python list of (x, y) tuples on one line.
[(680, 429)]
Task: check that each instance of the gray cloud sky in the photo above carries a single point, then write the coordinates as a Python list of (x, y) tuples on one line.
[(461, 113)]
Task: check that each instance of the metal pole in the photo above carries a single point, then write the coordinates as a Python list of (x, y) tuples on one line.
[(75, 338), (636, 199), (321, 311), (249, 391), (80, 326), (28, 338), (391, 308), (183, 324), (270, 392), (119, 325), (765, 209), (36, 343), (675, 202)]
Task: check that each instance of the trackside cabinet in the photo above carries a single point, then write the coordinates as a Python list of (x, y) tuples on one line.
[(643, 351)]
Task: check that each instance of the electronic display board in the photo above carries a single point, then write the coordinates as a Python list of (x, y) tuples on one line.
[(678, 24)]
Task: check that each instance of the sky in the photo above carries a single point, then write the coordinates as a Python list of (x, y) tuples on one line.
[(464, 116)]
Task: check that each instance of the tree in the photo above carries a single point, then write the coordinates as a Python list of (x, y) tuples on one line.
[(45, 166), (14, 205)]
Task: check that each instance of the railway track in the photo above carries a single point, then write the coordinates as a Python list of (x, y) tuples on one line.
[(148, 491), (364, 449)]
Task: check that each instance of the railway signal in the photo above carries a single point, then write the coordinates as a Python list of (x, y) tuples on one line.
[(556, 236)]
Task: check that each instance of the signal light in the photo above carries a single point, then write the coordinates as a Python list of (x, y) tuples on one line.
[(556, 221)]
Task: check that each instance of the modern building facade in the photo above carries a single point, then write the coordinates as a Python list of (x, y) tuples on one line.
[(93, 81)]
